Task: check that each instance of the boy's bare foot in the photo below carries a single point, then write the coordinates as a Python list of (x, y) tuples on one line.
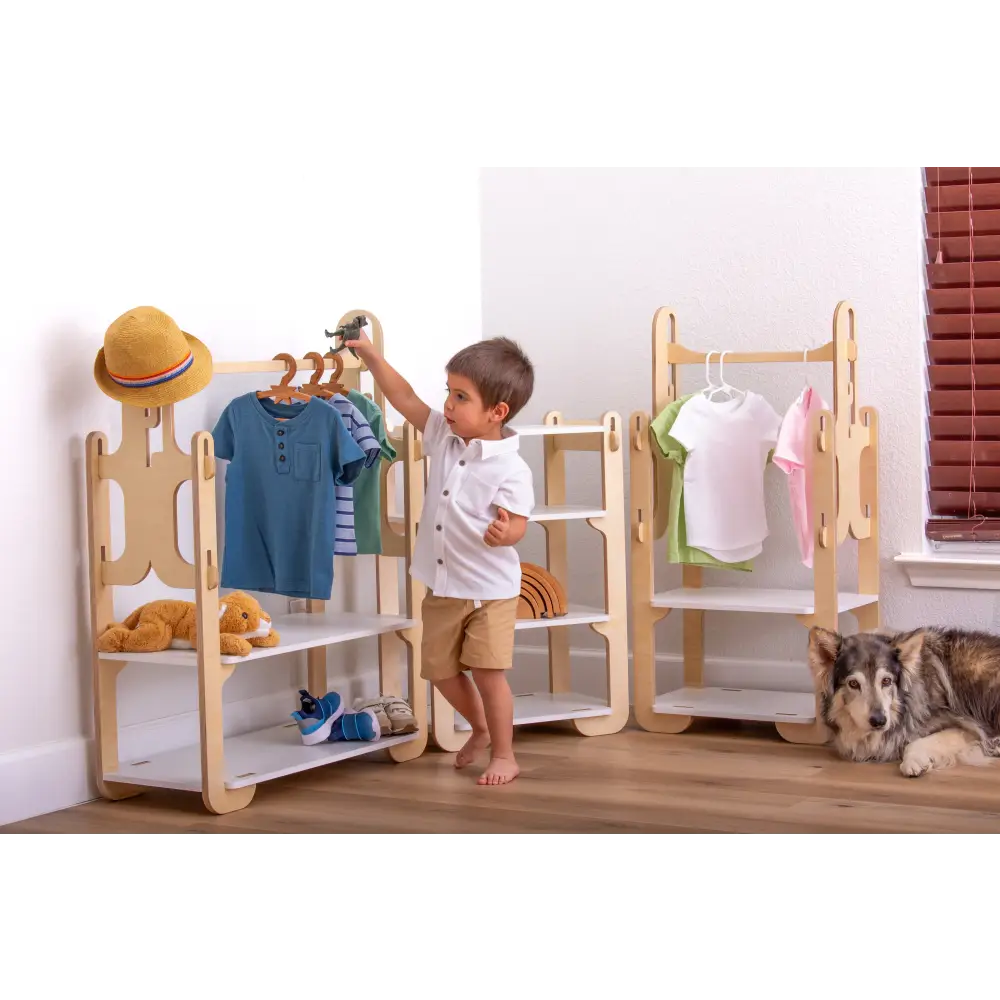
[(502, 771), (473, 745)]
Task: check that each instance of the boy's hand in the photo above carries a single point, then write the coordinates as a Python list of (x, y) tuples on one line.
[(364, 347), (504, 531), (499, 530)]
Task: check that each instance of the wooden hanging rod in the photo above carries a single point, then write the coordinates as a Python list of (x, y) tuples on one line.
[(241, 367), (678, 354)]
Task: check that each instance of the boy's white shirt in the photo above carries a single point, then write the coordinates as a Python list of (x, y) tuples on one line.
[(467, 483)]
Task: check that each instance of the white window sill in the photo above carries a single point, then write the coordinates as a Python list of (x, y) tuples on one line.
[(967, 572)]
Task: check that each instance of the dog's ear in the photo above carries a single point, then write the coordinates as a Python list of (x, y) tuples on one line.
[(824, 646), (909, 646)]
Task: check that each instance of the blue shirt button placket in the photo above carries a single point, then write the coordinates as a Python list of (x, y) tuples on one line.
[(281, 460)]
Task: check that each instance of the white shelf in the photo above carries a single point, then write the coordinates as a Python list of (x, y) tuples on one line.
[(565, 512), (778, 602), (577, 615), (297, 631), (545, 707), (738, 703), (538, 430), (251, 758)]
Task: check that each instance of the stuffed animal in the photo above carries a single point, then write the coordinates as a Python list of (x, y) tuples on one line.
[(172, 625)]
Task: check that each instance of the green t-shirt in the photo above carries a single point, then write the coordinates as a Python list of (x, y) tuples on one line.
[(367, 487), (678, 550)]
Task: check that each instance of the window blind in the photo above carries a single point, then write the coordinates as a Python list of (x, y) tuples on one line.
[(962, 213)]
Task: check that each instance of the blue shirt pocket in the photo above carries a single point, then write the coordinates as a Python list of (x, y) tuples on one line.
[(305, 463)]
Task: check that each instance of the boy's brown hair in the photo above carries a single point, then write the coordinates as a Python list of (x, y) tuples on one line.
[(499, 369)]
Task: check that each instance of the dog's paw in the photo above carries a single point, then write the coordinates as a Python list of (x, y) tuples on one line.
[(915, 764)]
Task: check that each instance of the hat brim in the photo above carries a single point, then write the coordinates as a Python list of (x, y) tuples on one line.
[(192, 381)]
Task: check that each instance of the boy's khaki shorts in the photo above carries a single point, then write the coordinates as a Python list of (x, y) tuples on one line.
[(459, 636)]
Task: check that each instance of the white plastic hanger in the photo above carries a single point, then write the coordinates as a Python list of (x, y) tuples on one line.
[(710, 386), (733, 392)]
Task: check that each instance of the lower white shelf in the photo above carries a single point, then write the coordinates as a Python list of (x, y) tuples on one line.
[(546, 707), (754, 599), (250, 759), (738, 703)]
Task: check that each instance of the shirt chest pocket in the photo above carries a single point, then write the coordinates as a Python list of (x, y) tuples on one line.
[(305, 463), (475, 497)]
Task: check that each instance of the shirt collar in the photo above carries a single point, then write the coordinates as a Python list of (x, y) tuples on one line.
[(509, 443)]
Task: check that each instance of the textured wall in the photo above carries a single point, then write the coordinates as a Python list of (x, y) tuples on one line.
[(576, 261)]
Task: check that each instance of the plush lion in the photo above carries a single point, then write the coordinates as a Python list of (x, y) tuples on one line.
[(171, 625)]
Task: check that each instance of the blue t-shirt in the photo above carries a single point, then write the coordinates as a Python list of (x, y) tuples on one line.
[(280, 506)]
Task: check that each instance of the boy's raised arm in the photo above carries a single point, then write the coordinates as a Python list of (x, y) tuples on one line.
[(397, 390)]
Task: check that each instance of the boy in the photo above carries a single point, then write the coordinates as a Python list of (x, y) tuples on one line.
[(476, 509)]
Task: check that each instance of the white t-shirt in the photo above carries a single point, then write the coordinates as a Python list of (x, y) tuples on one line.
[(727, 444), (467, 483)]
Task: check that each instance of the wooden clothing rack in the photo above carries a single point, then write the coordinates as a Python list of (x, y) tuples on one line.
[(843, 454), (227, 770), (590, 716)]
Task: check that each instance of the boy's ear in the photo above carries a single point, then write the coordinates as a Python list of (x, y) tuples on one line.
[(500, 411)]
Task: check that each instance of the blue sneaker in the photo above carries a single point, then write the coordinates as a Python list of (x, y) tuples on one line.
[(316, 716), (356, 726)]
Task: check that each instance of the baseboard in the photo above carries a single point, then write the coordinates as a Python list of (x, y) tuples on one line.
[(588, 675), (45, 778)]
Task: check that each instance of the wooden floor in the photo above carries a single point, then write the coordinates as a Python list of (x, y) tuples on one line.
[(720, 777)]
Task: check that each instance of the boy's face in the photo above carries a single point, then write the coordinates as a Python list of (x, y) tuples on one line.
[(466, 413)]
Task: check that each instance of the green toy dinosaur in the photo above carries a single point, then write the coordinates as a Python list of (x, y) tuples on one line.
[(348, 331)]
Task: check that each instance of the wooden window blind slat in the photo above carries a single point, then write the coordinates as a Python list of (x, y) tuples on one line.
[(956, 248), (957, 428), (962, 245), (959, 300), (944, 275), (958, 325), (948, 197), (960, 376), (986, 222), (958, 352), (959, 401), (960, 175)]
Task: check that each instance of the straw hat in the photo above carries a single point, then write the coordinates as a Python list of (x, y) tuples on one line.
[(147, 360)]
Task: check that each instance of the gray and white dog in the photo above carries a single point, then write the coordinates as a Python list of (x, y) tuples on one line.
[(929, 698)]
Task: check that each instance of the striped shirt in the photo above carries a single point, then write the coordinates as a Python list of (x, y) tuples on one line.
[(345, 542)]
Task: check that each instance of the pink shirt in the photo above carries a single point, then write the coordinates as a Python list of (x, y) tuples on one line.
[(790, 457)]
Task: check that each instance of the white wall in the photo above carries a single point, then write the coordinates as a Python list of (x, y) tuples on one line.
[(575, 262), (253, 258)]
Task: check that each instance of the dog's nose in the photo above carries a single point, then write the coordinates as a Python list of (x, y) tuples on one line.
[(877, 720)]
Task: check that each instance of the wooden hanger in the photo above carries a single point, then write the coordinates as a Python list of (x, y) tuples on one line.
[(284, 390), (313, 386), (338, 367)]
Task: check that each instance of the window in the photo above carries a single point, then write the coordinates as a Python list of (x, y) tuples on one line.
[(962, 212)]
